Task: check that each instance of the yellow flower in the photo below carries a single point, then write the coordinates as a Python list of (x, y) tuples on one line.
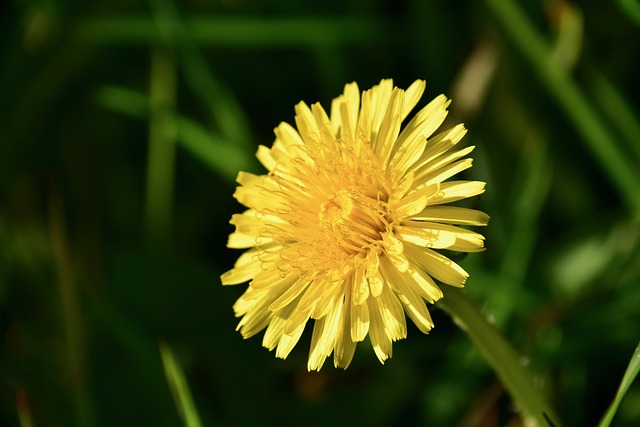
[(345, 227)]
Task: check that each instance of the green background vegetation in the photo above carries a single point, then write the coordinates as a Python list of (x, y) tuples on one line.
[(124, 123)]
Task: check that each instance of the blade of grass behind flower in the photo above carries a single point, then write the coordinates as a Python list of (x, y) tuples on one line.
[(179, 387), (527, 197), (595, 135), (161, 148), (71, 311), (500, 355), (631, 8), (222, 158), (239, 32), (223, 107), (529, 192), (617, 109), (627, 380)]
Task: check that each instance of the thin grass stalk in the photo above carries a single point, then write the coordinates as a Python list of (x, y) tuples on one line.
[(162, 148), (76, 369)]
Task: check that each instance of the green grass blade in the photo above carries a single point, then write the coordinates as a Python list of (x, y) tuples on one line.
[(239, 32), (179, 387), (223, 157), (617, 109), (77, 365), (627, 380), (529, 192), (632, 9), (595, 135), (500, 355), (125, 101), (223, 107), (161, 150)]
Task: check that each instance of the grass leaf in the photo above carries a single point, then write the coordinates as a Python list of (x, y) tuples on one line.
[(627, 380), (179, 387)]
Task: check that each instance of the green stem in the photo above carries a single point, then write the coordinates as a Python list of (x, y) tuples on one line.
[(570, 98), (500, 355)]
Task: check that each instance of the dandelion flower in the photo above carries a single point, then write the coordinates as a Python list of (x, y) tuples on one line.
[(346, 225)]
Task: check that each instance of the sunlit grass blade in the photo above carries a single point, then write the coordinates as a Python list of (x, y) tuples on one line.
[(223, 157), (179, 387), (627, 380), (500, 355), (596, 136)]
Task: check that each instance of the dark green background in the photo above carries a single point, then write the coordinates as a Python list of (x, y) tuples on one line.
[(99, 259)]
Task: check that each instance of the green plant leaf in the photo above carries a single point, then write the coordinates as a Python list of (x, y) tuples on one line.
[(179, 387), (627, 380)]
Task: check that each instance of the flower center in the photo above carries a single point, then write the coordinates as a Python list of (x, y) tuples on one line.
[(353, 221)]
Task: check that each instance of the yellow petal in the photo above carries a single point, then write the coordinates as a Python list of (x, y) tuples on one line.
[(413, 139), (456, 190), (384, 141), (360, 288), (442, 142), (445, 172), (296, 320), (437, 265), (359, 321), (287, 342), (428, 238), (274, 332), (405, 288), (376, 283), (323, 303), (412, 96), (246, 267), (289, 295), (391, 314), (439, 236), (380, 341), (453, 215), (324, 336), (345, 347)]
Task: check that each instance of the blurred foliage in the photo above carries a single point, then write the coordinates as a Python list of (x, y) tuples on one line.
[(123, 125)]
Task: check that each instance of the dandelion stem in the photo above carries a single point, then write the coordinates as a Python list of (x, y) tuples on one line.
[(500, 355)]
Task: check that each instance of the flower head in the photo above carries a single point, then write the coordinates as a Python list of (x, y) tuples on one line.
[(345, 227)]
